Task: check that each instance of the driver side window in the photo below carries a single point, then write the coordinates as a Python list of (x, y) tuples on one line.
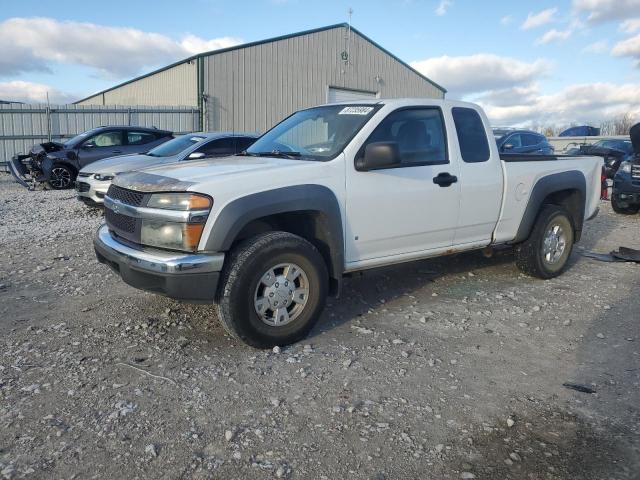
[(515, 140), (105, 139), (419, 134)]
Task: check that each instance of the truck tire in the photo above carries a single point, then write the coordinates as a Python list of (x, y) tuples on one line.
[(61, 177), (546, 252), (272, 290), (623, 208)]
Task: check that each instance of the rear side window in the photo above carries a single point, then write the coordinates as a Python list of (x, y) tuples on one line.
[(472, 138), (140, 138), (531, 140)]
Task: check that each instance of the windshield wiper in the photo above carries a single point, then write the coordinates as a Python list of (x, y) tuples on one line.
[(277, 153)]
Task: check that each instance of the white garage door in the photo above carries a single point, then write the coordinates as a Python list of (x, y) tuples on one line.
[(343, 95)]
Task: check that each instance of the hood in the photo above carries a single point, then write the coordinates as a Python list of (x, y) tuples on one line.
[(47, 147), (123, 163), (183, 174)]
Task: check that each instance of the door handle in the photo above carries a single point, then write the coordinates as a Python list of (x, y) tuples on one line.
[(445, 179), (116, 151)]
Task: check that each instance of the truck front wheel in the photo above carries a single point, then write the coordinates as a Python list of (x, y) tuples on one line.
[(273, 289), (546, 252), (622, 207)]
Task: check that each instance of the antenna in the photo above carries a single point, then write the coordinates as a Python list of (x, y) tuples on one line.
[(350, 13)]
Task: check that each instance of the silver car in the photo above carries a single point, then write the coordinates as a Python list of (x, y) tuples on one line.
[(94, 180)]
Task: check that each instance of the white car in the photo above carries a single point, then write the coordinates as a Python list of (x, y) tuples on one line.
[(94, 180), (336, 189)]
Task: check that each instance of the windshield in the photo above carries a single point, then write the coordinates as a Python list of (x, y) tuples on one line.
[(319, 133), (175, 146), (73, 141)]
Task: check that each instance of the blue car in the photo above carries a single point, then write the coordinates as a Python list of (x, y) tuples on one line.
[(522, 142)]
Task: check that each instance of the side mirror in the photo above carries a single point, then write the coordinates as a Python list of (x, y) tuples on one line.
[(379, 155), (195, 155), (507, 146)]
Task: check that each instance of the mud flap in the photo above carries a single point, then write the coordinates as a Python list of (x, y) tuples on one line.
[(19, 171)]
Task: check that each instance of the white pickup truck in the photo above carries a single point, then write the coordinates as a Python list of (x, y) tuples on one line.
[(339, 188)]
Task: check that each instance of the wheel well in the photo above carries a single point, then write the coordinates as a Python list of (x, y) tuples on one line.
[(312, 225), (572, 200)]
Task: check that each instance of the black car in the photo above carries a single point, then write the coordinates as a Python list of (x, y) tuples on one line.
[(614, 151), (625, 197), (59, 163), (521, 141)]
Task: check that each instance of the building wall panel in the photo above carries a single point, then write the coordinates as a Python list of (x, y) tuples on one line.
[(175, 86), (253, 88)]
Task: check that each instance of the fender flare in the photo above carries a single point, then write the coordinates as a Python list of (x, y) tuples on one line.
[(316, 198), (548, 185)]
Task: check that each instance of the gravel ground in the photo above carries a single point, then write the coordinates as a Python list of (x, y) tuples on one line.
[(440, 369)]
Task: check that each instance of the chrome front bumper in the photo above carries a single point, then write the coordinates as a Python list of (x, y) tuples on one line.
[(184, 276)]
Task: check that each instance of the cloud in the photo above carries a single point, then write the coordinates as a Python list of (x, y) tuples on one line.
[(443, 7), (535, 20), (33, 44), (29, 92), (480, 72), (554, 36), (631, 25), (506, 20), (600, 11), (582, 103), (601, 46), (627, 48)]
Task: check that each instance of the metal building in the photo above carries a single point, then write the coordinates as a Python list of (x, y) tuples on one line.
[(253, 86)]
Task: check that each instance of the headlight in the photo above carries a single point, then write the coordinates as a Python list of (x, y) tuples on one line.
[(102, 177), (182, 234), (176, 236), (179, 201), (625, 167)]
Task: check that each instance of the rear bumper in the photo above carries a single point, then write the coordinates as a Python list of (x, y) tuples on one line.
[(183, 276)]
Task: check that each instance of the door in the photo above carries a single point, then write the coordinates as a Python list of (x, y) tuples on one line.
[(402, 210), (480, 179), (108, 143), (336, 95)]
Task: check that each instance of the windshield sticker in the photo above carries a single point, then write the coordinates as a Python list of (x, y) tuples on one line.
[(355, 111)]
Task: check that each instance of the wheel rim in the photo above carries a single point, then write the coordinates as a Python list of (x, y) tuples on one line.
[(554, 244), (60, 177), (281, 294)]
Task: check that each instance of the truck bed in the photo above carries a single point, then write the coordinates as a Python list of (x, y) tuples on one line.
[(524, 157), (522, 172)]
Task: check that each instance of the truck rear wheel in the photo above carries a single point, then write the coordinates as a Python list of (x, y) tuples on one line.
[(546, 252), (623, 208), (273, 290)]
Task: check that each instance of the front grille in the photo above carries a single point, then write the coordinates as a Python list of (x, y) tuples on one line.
[(129, 197), (635, 171), (120, 223), (82, 186)]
